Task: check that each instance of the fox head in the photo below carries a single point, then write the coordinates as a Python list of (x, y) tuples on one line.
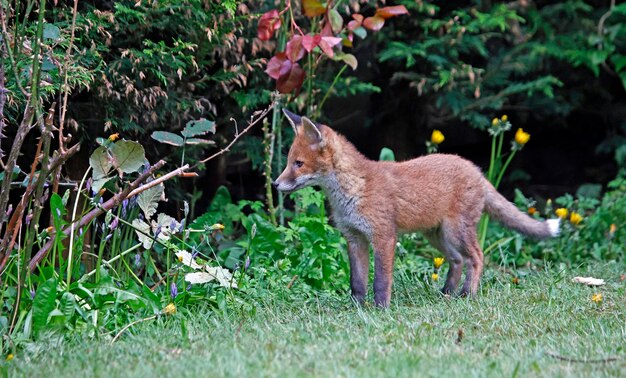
[(307, 161)]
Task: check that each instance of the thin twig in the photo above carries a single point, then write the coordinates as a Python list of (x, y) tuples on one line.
[(132, 324), (568, 359), (253, 122)]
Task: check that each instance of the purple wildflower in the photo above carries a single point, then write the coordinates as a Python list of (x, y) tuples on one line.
[(182, 226), (108, 237), (29, 217), (89, 184), (124, 206), (157, 231), (32, 294), (173, 226), (247, 264), (114, 223), (173, 290), (137, 259), (9, 210)]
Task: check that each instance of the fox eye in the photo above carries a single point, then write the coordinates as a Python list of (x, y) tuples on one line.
[(298, 163)]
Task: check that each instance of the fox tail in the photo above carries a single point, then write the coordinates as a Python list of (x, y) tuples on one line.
[(504, 211)]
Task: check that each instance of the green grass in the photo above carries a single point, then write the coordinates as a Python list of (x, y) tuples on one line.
[(510, 330)]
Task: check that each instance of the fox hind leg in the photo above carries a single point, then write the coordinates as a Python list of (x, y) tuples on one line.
[(474, 262), (446, 242)]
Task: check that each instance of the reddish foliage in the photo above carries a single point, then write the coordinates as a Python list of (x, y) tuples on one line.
[(268, 24), (309, 42), (294, 49)]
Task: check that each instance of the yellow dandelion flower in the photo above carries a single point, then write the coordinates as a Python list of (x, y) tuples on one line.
[(561, 212), (216, 226), (170, 309), (437, 137), (114, 137), (438, 261), (532, 211), (597, 297), (515, 280), (575, 218), (494, 121), (434, 276), (504, 118), (10, 356), (612, 229), (521, 137)]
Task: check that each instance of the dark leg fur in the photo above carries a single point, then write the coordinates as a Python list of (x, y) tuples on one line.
[(358, 253)]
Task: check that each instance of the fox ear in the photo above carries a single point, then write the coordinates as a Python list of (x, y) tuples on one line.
[(293, 119), (311, 132)]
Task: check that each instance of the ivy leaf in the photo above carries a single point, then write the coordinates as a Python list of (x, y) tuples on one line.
[(374, 23), (268, 24), (198, 127), (168, 138), (128, 156), (312, 8), (309, 42), (294, 49), (327, 44)]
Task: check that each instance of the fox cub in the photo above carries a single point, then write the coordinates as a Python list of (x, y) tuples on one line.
[(443, 196)]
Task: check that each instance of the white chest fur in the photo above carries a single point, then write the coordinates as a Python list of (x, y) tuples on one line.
[(345, 206)]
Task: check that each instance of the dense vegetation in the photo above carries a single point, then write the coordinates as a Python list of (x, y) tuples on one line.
[(138, 141)]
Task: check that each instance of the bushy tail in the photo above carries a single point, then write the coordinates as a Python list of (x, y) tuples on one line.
[(504, 211)]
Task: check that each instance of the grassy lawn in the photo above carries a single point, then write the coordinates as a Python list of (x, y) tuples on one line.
[(545, 326)]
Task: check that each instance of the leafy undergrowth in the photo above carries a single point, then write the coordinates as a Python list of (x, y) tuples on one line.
[(543, 325)]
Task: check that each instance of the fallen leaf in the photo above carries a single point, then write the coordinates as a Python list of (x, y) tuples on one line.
[(589, 281)]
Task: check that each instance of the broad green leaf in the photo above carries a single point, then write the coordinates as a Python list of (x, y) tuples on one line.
[(58, 212), (168, 138), (128, 156), (350, 60), (100, 163), (199, 141), (386, 154), (198, 127), (43, 304), (143, 233), (360, 32), (51, 31), (336, 21), (148, 200)]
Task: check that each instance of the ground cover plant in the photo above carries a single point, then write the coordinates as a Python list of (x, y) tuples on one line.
[(139, 228)]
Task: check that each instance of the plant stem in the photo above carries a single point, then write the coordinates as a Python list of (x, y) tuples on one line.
[(332, 85), (504, 167), (71, 246)]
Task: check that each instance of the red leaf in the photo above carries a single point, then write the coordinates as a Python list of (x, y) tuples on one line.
[(275, 64), (294, 49), (312, 8), (309, 42), (388, 12), (269, 22), (327, 43), (291, 77), (374, 23), (358, 19)]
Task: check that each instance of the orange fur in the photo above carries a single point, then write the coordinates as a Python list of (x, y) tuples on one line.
[(442, 196)]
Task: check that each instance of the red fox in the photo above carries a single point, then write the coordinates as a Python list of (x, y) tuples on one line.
[(443, 196)]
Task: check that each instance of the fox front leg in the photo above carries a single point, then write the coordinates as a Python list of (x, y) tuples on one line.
[(384, 251), (358, 253)]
